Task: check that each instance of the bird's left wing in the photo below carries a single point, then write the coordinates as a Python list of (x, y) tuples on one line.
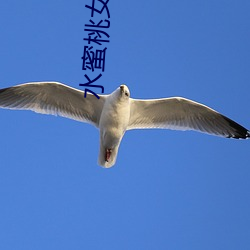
[(53, 98), (182, 114)]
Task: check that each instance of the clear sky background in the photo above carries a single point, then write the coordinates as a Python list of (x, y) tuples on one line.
[(168, 189)]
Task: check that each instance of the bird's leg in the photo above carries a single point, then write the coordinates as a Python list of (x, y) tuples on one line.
[(108, 154)]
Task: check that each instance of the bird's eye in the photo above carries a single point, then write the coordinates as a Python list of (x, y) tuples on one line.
[(126, 93)]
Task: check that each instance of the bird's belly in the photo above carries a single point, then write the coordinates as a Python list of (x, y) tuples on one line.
[(111, 138), (112, 133), (112, 129)]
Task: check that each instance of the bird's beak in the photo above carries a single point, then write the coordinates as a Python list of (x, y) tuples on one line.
[(122, 88)]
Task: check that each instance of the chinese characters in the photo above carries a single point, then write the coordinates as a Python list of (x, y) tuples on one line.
[(94, 54)]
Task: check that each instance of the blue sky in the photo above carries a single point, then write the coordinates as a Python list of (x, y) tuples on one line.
[(168, 189)]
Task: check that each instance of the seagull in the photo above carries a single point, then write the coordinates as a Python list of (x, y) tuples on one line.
[(116, 113)]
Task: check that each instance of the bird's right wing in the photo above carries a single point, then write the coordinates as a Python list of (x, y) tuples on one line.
[(53, 98), (182, 114)]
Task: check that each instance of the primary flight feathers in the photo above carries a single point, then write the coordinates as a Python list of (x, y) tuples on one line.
[(115, 113)]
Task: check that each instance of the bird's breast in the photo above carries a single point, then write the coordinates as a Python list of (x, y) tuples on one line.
[(114, 119)]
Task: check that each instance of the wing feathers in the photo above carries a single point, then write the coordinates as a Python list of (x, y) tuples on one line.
[(182, 114), (53, 98)]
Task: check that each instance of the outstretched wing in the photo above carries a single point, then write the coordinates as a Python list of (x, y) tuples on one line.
[(53, 98), (182, 114)]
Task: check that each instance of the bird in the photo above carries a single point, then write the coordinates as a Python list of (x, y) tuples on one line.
[(117, 112)]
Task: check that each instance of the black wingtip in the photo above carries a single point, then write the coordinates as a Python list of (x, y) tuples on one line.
[(248, 134), (239, 131)]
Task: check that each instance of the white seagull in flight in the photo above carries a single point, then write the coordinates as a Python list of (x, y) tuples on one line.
[(116, 113)]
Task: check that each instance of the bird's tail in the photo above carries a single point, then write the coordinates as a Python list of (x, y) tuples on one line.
[(107, 161)]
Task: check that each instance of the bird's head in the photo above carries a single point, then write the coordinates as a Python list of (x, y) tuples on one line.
[(124, 91), (121, 93)]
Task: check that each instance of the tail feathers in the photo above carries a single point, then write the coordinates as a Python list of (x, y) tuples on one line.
[(101, 159)]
